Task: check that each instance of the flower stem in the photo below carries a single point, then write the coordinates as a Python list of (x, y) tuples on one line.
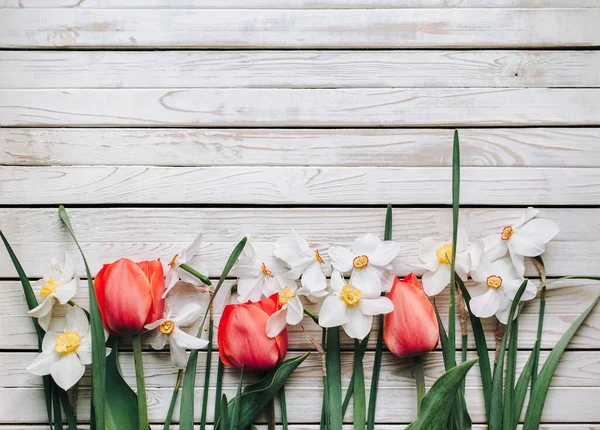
[(139, 378), (207, 373), (419, 371), (167, 425), (359, 410), (200, 276), (271, 414), (314, 317), (334, 378), (283, 404)]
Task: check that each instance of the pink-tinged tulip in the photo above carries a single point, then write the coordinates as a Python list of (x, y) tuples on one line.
[(130, 295), (243, 339), (411, 328)]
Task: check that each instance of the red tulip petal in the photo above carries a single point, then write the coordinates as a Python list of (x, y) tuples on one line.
[(99, 285), (154, 272)]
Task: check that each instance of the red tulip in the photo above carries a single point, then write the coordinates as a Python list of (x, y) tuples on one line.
[(411, 328), (130, 295), (243, 339)]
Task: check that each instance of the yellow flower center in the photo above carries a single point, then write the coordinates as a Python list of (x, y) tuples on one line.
[(360, 262), (494, 281), (265, 271), (174, 261), (167, 327), (507, 232), (49, 287), (318, 257), (350, 295), (444, 253), (67, 342), (285, 296)]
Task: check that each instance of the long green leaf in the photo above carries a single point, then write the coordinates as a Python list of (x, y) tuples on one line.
[(236, 407), (387, 235), (97, 333), (207, 371), (219, 388), (496, 410), (521, 388), (223, 422), (540, 389), (283, 404), (57, 419), (334, 378), (435, 408), (359, 408), (169, 418), (348, 395), (121, 404), (455, 210), (511, 368), (443, 340), (186, 414), (31, 304)]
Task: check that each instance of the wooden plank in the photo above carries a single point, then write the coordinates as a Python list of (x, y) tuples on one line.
[(292, 4), (460, 107), (577, 369), (299, 69), (395, 405), (296, 185), (316, 28), (535, 147)]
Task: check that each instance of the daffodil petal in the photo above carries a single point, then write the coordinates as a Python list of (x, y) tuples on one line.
[(381, 305), (77, 321), (333, 312), (188, 315), (435, 282), (358, 325), (295, 311), (313, 278), (384, 254), (486, 305), (187, 341), (67, 371), (366, 244), (276, 323), (367, 280), (68, 270), (341, 258), (43, 362), (84, 351), (67, 291), (178, 355), (249, 289)]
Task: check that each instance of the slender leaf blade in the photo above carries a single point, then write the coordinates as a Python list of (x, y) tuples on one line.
[(121, 404), (334, 378), (511, 368), (359, 408), (521, 388)]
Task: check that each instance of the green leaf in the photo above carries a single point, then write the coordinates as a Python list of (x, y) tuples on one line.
[(31, 304), (348, 395), (236, 407), (121, 405), (257, 396), (387, 235), (194, 272), (140, 383), (223, 422), (283, 404), (521, 388), (482, 348), (174, 396), (186, 414), (358, 374), (540, 389), (455, 210), (218, 389), (496, 410), (435, 408), (443, 340), (68, 409), (334, 378), (207, 370), (97, 333), (511, 368), (58, 421)]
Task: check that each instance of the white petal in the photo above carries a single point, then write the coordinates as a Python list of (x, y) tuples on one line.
[(510, 288), (295, 311), (332, 312), (171, 279), (462, 238), (67, 371), (341, 258), (49, 341), (494, 246), (435, 282), (367, 280), (188, 253), (43, 362), (45, 320), (366, 244), (530, 213), (504, 310), (250, 289), (187, 341), (42, 309), (188, 315), (292, 249), (379, 306), (427, 252), (157, 340), (462, 265), (154, 324), (475, 251), (76, 320), (313, 277), (68, 270), (66, 292), (178, 356), (384, 254), (272, 285), (337, 281), (84, 351), (486, 305), (518, 262), (358, 325), (276, 323), (530, 240), (387, 280)]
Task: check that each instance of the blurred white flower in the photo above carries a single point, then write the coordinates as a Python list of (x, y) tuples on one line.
[(169, 329), (369, 260), (58, 284), (176, 273), (255, 279), (526, 237)]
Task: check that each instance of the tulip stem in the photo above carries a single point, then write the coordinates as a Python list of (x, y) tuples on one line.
[(419, 371), (283, 404), (271, 415), (139, 378)]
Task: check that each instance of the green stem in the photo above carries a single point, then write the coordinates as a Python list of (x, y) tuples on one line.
[(536, 350), (139, 378), (464, 346), (270, 414), (334, 378), (419, 371), (375, 376), (314, 317), (200, 276), (348, 396), (324, 409), (219, 389), (283, 404), (57, 418), (359, 410), (207, 374), (167, 425)]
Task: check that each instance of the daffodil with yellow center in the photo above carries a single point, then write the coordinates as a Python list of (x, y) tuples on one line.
[(255, 278), (507, 233), (67, 342), (285, 296), (49, 287), (444, 254), (291, 311), (166, 327), (350, 295)]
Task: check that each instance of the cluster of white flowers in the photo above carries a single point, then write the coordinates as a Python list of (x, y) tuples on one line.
[(496, 263)]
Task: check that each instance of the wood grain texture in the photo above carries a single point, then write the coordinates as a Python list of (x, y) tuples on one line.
[(293, 4), (300, 107), (395, 405), (296, 185), (296, 28), (535, 147), (299, 69)]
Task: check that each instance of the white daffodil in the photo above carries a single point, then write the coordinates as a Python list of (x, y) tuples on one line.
[(292, 309), (58, 284), (352, 308), (169, 328), (176, 273), (369, 260), (526, 237), (304, 262), (254, 277), (497, 285), (436, 255), (64, 355)]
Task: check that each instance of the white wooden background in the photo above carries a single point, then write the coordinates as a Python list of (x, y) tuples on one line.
[(154, 120)]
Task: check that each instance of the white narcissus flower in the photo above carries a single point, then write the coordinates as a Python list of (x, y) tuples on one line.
[(292, 309), (369, 260), (526, 237), (304, 262), (497, 285), (64, 355), (255, 279), (176, 273), (436, 255), (169, 328), (352, 308), (58, 284)]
